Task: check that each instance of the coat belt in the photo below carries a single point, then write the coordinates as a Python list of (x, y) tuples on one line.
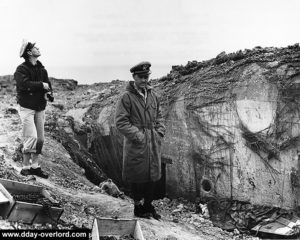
[(144, 126)]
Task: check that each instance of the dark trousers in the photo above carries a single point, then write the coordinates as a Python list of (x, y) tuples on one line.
[(143, 190)]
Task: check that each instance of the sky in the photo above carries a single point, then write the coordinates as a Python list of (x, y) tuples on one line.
[(100, 40)]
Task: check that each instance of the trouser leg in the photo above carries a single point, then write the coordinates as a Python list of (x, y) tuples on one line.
[(39, 121), (138, 190), (29, 134), (143, 191), (148, 198), (149, 193)]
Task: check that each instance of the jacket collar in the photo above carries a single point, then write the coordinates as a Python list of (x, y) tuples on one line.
[(38, 63), (131, 88)]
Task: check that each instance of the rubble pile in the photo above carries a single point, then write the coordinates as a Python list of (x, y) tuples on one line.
[(81, 122), (180, 209), (243, 217), (247, 55), (237, 218), (123, 237), (36, 198), (246, 216), (61, 225), (30, 197), (198, 214)]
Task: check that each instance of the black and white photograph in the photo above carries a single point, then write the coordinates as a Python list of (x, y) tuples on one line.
[(150, 120)]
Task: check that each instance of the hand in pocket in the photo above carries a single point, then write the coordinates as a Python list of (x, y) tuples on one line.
[(140, 137)]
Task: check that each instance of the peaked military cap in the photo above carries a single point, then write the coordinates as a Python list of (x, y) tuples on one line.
[(26, 46), (141, 68)]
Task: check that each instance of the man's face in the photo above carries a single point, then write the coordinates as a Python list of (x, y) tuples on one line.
[(141, 80), (35, 52)]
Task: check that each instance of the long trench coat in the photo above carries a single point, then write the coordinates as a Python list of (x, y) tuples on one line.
[(142, 125)]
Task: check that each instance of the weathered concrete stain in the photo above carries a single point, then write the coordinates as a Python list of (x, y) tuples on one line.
[(256, 102), (207, 106), (180, 176), (77, 114), (210, 147), (104, 120)]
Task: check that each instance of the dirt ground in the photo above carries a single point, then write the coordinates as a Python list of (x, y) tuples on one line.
[(81, 200)]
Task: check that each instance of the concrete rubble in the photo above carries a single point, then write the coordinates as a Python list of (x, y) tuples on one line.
[(232, 135)]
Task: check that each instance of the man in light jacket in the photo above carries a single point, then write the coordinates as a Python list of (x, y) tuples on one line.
[(33, 91), (138, 117)]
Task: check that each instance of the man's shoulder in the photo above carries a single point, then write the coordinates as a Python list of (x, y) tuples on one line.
[(28, 65), (129, 90), (22, 64), (22, 67), (125, 95)]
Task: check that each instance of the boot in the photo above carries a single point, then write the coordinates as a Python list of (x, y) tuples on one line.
[(139, 211), (39, 172), (26, 172), (149, 208)]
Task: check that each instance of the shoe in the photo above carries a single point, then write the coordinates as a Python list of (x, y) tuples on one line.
[(39, 172), (26, 172), (139, 211), (150, 209), (156, 215)]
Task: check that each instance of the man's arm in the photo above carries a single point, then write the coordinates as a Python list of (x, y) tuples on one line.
[(47, 80), (22, 78), (122, 119)]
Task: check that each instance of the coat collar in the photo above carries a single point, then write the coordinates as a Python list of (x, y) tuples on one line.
[(29, 64), (130, 87)]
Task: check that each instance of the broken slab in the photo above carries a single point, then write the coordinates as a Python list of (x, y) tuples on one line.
[(116, 227), (3, 198), (27, 212), (280, 227)]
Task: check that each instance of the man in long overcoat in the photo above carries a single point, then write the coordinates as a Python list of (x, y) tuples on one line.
[(139, 119)]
